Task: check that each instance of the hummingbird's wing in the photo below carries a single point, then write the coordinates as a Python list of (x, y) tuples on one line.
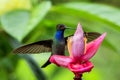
[(89, 35), (37, 47)]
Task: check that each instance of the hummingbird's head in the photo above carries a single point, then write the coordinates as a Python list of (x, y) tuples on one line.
[(61, 27)]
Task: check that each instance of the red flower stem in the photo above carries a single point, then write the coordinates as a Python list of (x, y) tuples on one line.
[(78, 77)]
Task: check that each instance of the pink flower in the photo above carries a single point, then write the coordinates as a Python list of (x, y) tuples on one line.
[(80, 53)]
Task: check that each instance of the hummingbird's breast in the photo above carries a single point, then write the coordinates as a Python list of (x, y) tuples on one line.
[(58, 47)]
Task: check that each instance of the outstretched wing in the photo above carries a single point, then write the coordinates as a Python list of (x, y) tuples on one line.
[(89, 35), (37, 47), (46, 45)]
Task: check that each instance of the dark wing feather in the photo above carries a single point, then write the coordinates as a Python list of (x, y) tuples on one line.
[(37, 47), (91, 36)]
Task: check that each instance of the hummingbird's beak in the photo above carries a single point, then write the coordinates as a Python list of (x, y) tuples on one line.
[(70, 28)]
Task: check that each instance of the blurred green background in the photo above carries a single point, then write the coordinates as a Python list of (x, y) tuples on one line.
[(26, 21)]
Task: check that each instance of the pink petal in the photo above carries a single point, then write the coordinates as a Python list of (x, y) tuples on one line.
[(78, 43), (81, 68), (92, 47), (60, 60)]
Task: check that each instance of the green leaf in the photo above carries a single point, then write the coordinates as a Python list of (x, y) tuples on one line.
[(38, 13), (106, 13), (23, 71), (5, 47), (34, 67), (15, 22), (19, 23), (3, 74), (0, 23)]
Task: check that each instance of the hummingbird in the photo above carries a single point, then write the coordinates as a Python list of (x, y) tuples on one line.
[(55, 46)]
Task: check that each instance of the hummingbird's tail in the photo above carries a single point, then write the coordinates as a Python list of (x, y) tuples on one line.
[(46, 64)]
